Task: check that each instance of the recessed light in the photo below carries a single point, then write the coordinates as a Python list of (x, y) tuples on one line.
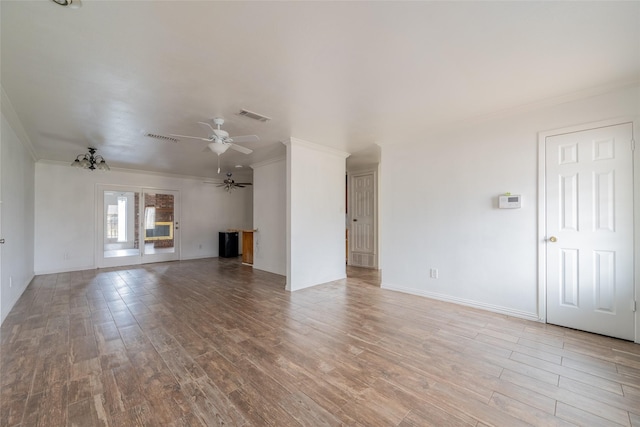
[(238, 166)]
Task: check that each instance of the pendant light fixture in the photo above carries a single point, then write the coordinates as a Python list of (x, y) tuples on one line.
[(71, 4), (91, 161)]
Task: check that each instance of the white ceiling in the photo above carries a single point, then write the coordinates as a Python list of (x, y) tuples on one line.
[(343, 74)]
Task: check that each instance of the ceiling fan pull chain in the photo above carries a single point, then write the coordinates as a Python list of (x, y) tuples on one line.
[(218, 163)]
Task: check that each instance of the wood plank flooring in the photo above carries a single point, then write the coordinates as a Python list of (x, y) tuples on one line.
[(213, 342)]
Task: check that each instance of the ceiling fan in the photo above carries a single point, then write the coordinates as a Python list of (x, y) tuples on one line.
[(229, 184), (220, 141)]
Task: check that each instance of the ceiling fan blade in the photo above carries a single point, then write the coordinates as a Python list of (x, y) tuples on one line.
[(192, 137), (243, 183), (245, 138), (241, 148), (207, 124)]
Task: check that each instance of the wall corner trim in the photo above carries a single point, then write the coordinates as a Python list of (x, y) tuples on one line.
[(12, 117)]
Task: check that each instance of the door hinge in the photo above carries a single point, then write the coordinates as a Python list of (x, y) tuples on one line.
[(633, 145), (633, 306)]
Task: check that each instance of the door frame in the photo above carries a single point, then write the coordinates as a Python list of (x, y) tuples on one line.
[(542, 210), (99, 260)]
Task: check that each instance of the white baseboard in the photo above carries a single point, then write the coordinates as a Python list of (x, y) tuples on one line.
[(187, 258), (9, 307), (461, 301), (65, 270)]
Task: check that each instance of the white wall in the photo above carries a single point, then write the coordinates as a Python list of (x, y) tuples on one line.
[(16, 212), (65, 213), (438, 206), (269, 216), (315, 214)]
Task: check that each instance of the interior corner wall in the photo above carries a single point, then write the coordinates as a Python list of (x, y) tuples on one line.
[(439, 206), (17, 216), (315, 214), (65, 213), (636, 218), (269, 216)]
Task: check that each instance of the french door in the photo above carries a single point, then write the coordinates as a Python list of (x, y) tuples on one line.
[(589, 230), (136, 225), (160, 226)]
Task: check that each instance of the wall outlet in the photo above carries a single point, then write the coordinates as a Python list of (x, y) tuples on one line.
[(10, 281), (433, 273), (200, 246)]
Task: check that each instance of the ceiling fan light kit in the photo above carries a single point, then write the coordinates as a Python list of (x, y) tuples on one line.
[(218, 148), (91, 161)]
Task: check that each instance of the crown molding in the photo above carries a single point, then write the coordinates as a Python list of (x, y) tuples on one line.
[(138, 171), (267, 162), (540, 104), (318, 147)]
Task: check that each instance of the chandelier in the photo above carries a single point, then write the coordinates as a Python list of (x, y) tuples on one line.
[(71, 4), (91, 161)]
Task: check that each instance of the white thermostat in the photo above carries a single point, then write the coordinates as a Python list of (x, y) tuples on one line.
[(510, 201)]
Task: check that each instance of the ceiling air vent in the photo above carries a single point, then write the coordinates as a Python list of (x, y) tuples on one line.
[(161, 137), (254, 116)]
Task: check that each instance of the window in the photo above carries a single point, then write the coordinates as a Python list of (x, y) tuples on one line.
[(112, 222), (122, 219), (117, 220)]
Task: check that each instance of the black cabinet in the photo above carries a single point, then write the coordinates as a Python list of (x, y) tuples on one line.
[(228, 244)]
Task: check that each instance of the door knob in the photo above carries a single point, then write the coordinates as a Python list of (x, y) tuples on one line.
[(553, 239), (355, 220), (1, 241)]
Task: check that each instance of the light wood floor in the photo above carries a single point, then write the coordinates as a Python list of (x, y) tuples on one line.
[(212, 342)]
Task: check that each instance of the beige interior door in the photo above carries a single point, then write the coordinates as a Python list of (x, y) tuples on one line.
[(362, 236), (589, 235)]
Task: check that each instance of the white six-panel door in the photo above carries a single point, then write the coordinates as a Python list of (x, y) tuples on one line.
[(589, 235), (362, 237)]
